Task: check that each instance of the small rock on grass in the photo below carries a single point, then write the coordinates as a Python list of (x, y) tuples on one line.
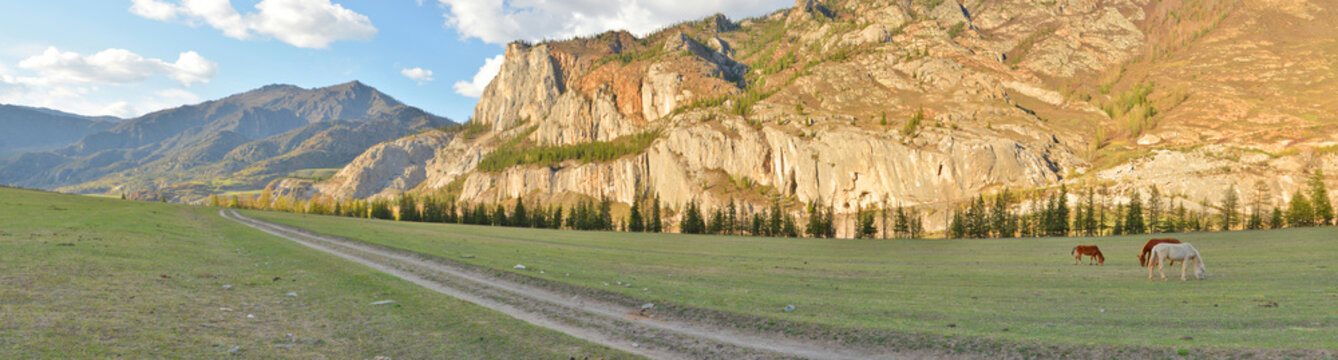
[(789, 308), (467, 256), (285, 346), (291, 294), (227, 287), (519, 267), (647, 306), (235, 349), (383, 302)]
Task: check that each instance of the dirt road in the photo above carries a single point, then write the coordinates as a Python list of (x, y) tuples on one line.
[(625, 328)]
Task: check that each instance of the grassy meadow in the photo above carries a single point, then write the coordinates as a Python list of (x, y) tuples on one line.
[(1266, 289), (85, 277)]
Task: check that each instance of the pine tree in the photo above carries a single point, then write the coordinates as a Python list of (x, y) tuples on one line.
[(732, 218), (814, 227), (1319, 199), (1089, 219), (1230, 209), (634, 221), (774, 224), (1276, 220), (1133, 222), (655, 225), (788, 228), (915, 226), (956, 227), (829, 221), (692, 222), (865, 228), (499, 217), (1119, 227), (214, 201), (716, 224), (380, 209), (999, 215), (1062, 212), (882, 213), (1300, 213), (1154, 219), (519, 216), (605, 214)]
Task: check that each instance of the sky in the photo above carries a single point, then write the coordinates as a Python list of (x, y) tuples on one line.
[(126, 58)]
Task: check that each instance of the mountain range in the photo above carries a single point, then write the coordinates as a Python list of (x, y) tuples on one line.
[(866, 104), (25, 128), (238, 143), (856, 104)]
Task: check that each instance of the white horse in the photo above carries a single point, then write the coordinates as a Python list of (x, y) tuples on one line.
[(1183, 252)]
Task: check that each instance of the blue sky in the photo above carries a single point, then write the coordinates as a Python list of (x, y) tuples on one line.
[(127, 58)]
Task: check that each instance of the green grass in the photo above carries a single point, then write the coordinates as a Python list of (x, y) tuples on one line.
[(920, 287), (83, 277), (314, 174)]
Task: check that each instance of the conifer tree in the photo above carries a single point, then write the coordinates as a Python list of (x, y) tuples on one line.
[(605, 214), (519, 216), (1276, 220), (716, 224), (1154, 210), (655, 224), (1133, 221), (732, 218), (634, 221), (1300, 213), (1230, 209), (1319, 199), (499, 217), (691, 222)]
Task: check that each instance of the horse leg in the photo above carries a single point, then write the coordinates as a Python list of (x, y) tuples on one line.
[(1150, 261), (1184, 265), (1161, 267)]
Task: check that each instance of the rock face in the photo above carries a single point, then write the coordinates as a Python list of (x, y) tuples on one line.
[(525, 88), (859, 104)]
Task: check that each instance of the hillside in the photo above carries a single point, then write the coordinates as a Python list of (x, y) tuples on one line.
[(25, 128), (238, 143), (924, 103)]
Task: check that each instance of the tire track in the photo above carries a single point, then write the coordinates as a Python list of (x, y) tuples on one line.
[(609, 324)]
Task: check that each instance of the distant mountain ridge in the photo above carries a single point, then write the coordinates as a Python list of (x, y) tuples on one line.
[(25, 128), (237, 143)]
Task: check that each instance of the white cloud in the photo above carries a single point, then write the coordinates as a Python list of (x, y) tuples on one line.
[(312, 24), (112, 66), (153, 9), (72, 82), (420, 75), (500, 22), (481, 79)]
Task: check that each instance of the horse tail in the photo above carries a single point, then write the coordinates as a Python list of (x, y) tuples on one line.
[(1074, 251)]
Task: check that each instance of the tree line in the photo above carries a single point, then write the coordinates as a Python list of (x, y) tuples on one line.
[(645, 215), (1053, 215), (997, 216)]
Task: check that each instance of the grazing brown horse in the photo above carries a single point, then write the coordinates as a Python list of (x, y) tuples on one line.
[(1089, 250), (1147, 249)]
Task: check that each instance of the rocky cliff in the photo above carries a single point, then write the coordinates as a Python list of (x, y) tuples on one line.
[(921, 103)]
